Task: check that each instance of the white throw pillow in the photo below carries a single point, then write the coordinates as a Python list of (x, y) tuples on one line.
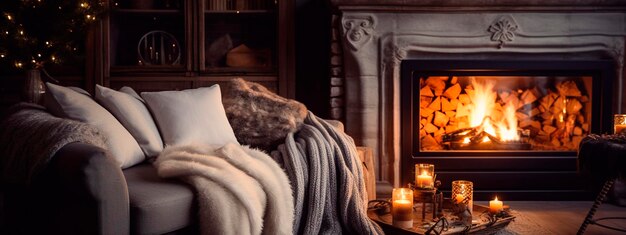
[(194, 116), (134, 116), (73, 104)]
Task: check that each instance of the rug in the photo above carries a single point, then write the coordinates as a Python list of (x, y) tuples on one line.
[(523, 225)]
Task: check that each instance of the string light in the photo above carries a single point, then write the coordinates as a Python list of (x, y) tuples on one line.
[(26, 43)]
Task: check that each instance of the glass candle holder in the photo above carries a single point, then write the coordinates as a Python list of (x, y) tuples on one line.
[(463, 193), (619, 123), (402, 207), (425, 176)]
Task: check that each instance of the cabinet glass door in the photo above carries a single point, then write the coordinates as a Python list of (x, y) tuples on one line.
[(147, 35), (239, 37)]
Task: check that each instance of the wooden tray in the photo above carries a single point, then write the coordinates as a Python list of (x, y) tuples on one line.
[(480, 226)]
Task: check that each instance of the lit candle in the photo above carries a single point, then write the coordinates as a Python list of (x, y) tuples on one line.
[(459, 198), (619, 124), (425, 176), (495, 206), (424, 180), (402, 207)]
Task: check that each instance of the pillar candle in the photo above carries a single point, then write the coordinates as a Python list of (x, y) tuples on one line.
[(424, 180), (495, 206), (425, 176), (402, 207)]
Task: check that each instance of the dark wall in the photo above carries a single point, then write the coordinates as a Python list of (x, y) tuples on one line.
[(312, 35)]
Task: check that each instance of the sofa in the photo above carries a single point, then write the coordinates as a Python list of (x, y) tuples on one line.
[(82, 190)]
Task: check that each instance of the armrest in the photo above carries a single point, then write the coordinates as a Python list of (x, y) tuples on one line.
[(89, 192)]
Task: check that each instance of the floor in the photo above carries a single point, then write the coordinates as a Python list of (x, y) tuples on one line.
[(561, 217)]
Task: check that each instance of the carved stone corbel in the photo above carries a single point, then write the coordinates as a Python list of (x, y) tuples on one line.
[(358, 30)]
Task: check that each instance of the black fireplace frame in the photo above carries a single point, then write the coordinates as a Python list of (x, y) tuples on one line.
[(509, 174)]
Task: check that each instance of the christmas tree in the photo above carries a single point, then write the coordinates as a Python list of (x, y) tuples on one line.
[(34, 33)]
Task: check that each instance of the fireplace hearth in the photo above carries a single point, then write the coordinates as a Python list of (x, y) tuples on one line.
[(476, 119), (377, 38)]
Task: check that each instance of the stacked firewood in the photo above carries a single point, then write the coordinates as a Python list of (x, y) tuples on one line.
[(555, 116)]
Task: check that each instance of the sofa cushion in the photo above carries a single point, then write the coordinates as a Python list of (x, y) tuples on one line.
[(134, 116), (158, 205), (76, 104), (194, 116)]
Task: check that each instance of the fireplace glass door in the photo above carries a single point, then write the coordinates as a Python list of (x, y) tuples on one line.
[(502, 106)]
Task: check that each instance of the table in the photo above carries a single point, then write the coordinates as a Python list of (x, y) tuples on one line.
[(480, 226)]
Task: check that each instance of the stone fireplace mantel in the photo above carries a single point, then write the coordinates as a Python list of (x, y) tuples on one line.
[(377, 37)]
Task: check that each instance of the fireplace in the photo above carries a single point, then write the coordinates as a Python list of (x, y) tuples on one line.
[(509, 126), (487, 40)]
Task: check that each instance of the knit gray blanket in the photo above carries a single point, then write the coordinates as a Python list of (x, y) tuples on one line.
[(30, 136), (327, 180)]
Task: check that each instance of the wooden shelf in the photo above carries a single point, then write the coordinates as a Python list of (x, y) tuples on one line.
[(239, 12), (191, 78), (147, 68), (147, 11), (238, 70)]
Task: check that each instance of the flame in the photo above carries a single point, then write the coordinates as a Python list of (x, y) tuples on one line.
[(483, 102)]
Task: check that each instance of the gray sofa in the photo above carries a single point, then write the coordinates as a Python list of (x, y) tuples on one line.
[(82, 191)]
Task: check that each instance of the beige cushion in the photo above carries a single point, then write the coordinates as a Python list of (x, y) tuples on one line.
[(134, 116), (194, 116), (69, 103)]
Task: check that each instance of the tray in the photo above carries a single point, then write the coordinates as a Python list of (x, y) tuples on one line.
[(481, 225)]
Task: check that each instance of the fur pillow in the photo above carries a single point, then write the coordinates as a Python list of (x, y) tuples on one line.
[(259, 117)]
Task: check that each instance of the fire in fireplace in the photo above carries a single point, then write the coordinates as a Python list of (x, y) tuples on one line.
[(503, 124), (504, 112)]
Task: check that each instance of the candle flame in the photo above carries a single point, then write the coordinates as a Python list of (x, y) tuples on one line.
[(496, 198), (424, 173)]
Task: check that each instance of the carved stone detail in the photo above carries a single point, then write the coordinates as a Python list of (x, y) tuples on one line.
[(358, 30), (503, 30), (394, 53)]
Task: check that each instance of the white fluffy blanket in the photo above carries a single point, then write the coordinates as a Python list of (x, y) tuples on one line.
[(240, 190)]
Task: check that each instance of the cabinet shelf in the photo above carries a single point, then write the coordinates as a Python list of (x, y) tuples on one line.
[(236, 70), (147, 11), (191, 79), (235, 12)]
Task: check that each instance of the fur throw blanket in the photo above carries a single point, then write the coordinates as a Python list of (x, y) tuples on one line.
[(326, 175), (30, 136), (259, 117), (239, 190)]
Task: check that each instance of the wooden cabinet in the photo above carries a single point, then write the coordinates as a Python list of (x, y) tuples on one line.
[(179, 44)]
